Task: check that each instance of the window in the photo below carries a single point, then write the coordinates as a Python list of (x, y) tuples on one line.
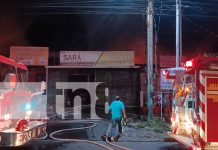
[(22, 75), (5, 69)]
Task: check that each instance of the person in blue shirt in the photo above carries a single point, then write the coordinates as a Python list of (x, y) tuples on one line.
[(117, 110)]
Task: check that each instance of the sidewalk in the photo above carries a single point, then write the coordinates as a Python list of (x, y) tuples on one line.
[(141, 131), (135, 133)]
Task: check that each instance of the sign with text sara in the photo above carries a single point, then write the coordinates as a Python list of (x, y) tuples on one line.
[(35, 56), (79, 57), (97, 58)]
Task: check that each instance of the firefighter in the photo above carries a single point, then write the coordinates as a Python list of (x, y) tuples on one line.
[(117, 110)]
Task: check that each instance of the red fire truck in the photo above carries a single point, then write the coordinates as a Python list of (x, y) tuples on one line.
[(195, 103), (16, 125)]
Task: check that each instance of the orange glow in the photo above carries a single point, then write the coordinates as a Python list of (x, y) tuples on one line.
[(187, 89)]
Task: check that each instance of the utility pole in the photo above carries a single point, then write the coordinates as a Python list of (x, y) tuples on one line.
[(150, 87), (178, 33)]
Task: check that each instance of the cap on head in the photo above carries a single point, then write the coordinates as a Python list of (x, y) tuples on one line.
[(117, 97)]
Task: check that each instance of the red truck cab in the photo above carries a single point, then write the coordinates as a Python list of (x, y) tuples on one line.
[(16, 125)]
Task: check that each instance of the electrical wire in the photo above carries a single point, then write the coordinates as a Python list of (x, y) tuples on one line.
[(190, 8), (206, 30)]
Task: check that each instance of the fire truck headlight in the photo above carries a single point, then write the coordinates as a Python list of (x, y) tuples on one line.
[(29, 112), (28, 106), (7, 116)]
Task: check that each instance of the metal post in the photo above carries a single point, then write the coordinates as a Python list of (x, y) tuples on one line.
[(178, 33), (161, 102), (150, 58)]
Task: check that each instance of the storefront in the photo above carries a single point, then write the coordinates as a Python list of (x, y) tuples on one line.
[(95, 80)]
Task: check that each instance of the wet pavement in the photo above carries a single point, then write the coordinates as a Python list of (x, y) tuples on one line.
[(58, 145), (132, 138), (61, 135)]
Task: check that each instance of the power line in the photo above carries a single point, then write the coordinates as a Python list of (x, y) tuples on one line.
[(198, 8), (206, 30)]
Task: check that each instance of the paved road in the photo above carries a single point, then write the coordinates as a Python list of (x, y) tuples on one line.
[(153, 145), (94, 135), (57, 145)]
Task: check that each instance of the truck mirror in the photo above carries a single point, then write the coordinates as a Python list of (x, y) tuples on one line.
[(11, 80)]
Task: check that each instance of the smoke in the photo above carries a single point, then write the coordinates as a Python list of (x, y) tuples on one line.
[(12, 32)]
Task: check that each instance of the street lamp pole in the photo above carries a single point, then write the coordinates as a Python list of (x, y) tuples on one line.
[(150, 87), (178, 33)]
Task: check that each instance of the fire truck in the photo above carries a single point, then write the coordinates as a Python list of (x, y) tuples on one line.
[(17, 126), (194, 120)]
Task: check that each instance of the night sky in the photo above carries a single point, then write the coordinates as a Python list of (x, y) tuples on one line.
[(107, 25)]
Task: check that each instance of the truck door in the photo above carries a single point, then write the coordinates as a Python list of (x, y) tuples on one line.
[(211, 92)]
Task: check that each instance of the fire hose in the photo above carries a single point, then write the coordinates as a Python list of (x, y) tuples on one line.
[(93, 122)]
